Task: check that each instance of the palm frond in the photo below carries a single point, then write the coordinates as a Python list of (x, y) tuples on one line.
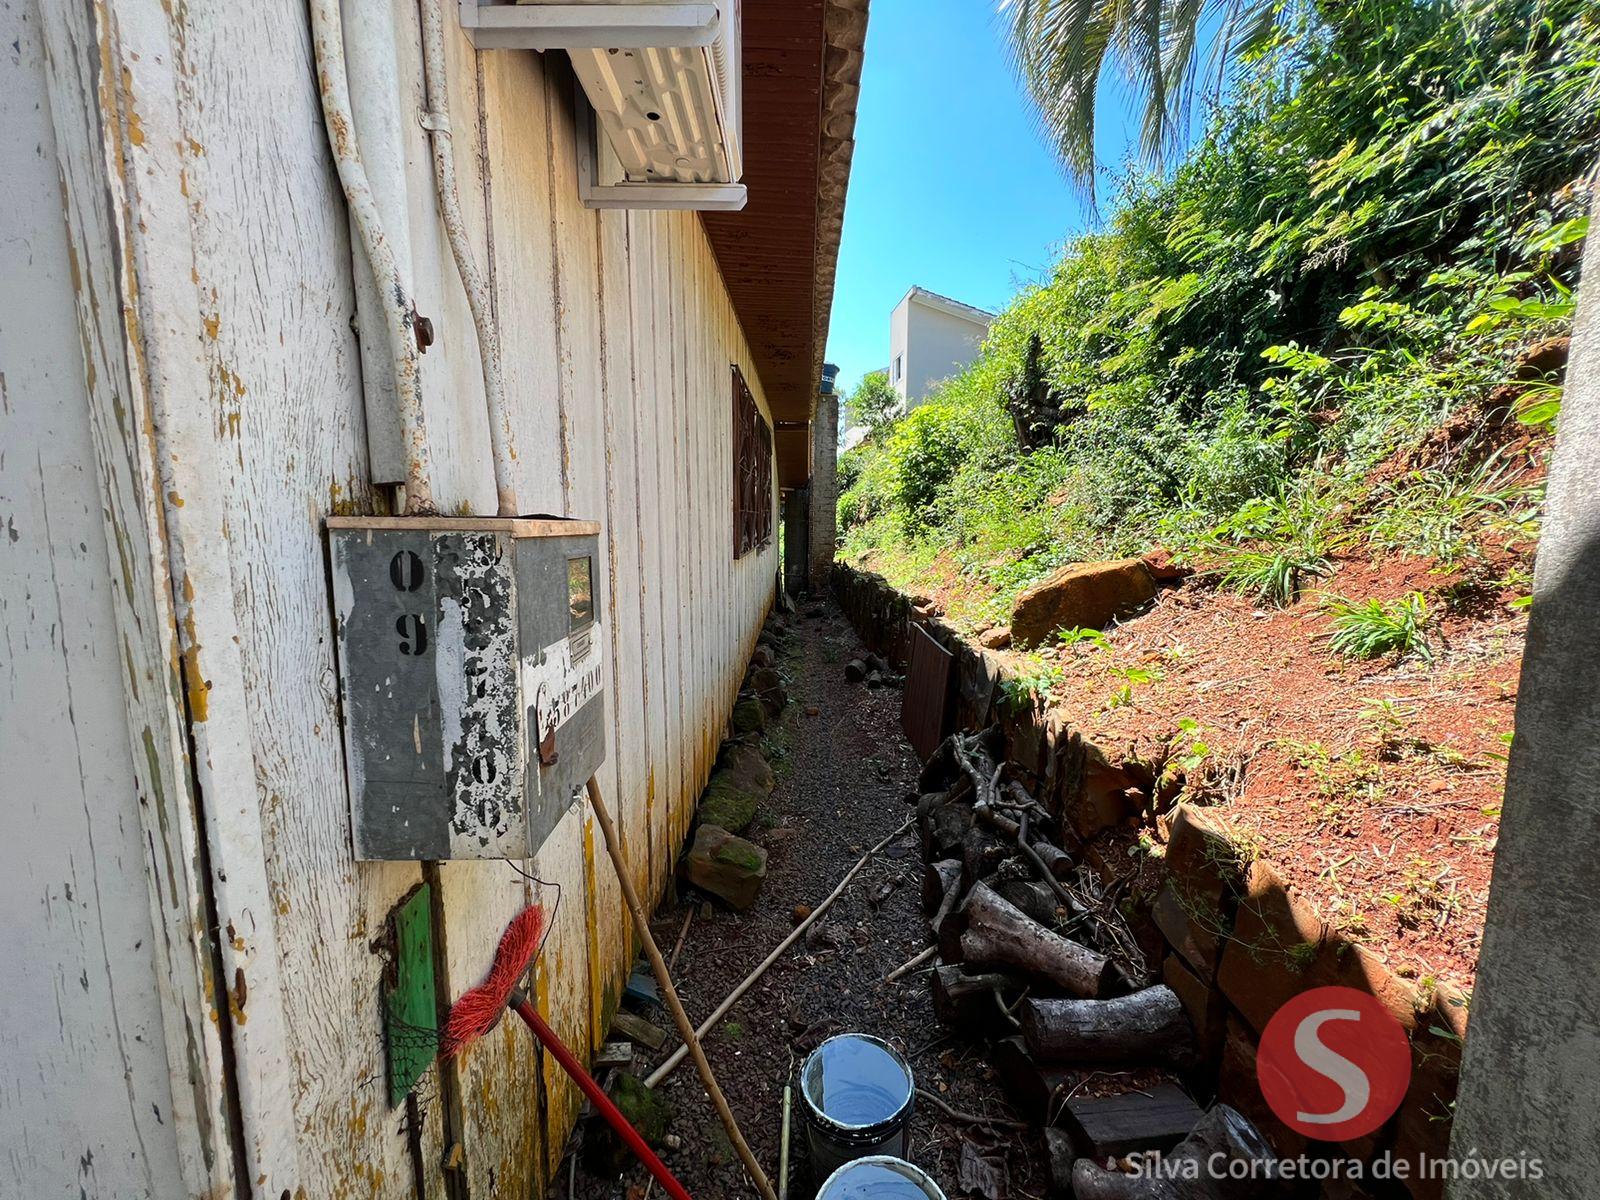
[(1061, 49)]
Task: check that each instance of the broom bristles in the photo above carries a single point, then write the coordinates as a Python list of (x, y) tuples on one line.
[(478, 1009)]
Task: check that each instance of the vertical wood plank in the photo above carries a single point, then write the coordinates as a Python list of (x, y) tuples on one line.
[(624, 548), (86, 1101)]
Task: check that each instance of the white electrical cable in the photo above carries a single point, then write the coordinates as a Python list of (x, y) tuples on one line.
[(437, 123), (399, 309)]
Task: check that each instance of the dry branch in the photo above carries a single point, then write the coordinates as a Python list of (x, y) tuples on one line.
[(997, 934), (749, 980)]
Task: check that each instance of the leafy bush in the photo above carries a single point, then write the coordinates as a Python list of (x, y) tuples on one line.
[(1388, 208), (874, 403)]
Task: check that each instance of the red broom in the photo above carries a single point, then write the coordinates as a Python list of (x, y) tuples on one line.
[(479, 1010)]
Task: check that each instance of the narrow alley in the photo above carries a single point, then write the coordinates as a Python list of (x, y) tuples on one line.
[(845, 774)]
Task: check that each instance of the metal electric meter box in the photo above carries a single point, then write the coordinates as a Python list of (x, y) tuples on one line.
[(470, 672)]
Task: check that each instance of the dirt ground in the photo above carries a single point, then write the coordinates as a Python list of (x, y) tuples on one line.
[(844, 773), (1373, 787)]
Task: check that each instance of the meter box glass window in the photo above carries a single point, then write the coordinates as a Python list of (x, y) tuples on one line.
[(470, 662)]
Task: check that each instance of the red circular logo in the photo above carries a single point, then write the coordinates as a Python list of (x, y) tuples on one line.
[(1333, 1064)]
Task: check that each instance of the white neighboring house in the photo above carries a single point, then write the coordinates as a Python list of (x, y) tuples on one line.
[(931, 337)]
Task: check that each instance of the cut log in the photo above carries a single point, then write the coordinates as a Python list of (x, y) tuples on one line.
[(1228, 1133), (1056, 860), (1105, 1127), (1052, 864), (1203, 1167), (948, 926), (1146, 1027), (1091, 1181), (971, 1002), (998, 934), (1033, 899), (943, 819), (1035, 1089), (937, 880), (981, 854)]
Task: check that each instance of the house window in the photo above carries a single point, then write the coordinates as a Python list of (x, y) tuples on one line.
[(899, 367), (752, 472)]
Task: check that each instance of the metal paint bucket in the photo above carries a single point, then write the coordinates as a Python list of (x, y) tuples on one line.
[(857, 1093), (879, 1177)]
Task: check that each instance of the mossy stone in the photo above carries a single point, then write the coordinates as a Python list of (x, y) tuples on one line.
[(725, 865), (740, 854), (749, 717), (647, 1111), (728, 803)]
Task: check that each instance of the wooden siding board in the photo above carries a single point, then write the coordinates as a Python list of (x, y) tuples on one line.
[(623, 549), (583, 406), (618, 334), (85, 1042), (652, 575)]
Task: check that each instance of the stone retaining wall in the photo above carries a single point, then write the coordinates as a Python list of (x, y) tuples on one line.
[(1232, 939)]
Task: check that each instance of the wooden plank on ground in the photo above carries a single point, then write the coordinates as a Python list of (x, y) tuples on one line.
[(1105, 1127)]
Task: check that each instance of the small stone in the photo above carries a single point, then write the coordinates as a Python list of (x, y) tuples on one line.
[(749, 716), (749, 764), (730, 802), (1164, 568), (727, 866), (763, 657), (998, 638), (812, 710), (764, 679), (800, 912)]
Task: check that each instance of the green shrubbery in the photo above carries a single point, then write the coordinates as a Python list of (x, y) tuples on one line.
[(1360, 242)]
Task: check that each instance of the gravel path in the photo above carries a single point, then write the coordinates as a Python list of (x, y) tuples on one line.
[(844, 774)]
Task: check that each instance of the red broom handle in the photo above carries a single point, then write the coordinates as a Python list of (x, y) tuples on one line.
[(598, 1098)]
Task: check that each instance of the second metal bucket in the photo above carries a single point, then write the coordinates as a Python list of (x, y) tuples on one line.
[(856, 1093)]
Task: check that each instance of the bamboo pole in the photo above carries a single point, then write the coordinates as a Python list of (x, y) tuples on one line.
[(686, 1030), (732, 998)]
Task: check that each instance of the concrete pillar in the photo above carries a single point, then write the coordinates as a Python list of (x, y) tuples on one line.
[(1530, 1082), (824, 481)]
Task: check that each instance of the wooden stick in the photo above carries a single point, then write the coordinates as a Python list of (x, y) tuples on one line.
[(966, 1118), (691, 1041), (677, 947), (911, 964), (799, 930), (783, 1144)]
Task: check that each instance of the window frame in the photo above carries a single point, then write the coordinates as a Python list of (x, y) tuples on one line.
[(752, 471)]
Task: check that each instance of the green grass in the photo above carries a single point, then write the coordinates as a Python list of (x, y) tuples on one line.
[(1374, 628), (1275, 576)]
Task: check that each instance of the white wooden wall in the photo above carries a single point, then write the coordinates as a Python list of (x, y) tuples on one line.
[(182, 398)]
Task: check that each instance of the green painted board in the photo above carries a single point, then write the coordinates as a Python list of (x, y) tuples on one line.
[(410, 1015)]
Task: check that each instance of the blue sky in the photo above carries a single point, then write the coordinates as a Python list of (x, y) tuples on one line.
[(951, 186)]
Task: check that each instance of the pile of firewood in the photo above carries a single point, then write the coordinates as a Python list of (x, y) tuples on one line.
[(1035, 956)]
